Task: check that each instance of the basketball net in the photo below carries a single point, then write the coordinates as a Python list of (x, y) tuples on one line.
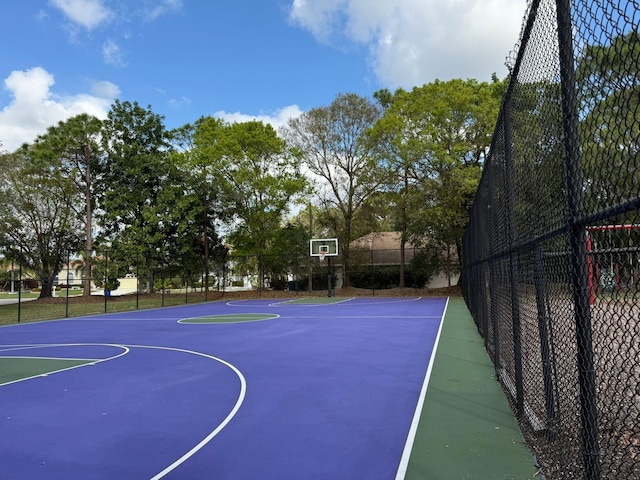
[(322, 255)]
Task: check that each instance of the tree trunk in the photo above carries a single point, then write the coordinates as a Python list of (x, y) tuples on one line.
[(149, 276), (346, 282), (47, 286), (88, 233), (402, 257), (310, 268), (449, 265)]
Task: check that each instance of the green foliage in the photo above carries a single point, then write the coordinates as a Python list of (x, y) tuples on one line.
[(433, 140), (261, 179), (609, 95), (72, 148), (411, 162), (256, 177), (319, 279), (106, 273), (136, 143), (141, 187), (38, 226), (289, 250), (330, 140), (422, 268), (425, 264)]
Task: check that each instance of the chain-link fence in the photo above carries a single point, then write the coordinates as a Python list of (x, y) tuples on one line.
[(107, 280), (552, 252)]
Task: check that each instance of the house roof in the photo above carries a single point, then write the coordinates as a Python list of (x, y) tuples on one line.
[(379, 241), (385, 248)]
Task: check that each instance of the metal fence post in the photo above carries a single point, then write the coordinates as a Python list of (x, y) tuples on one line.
[(539, 280), (577, 240), (106, 278), (513, 277), (66, 311), (493, 286), (19, 290)]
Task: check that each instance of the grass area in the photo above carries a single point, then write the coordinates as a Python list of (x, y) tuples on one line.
[(14, 296), (54, 308), (29, 294)]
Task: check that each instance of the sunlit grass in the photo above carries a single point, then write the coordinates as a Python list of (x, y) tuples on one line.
[(29, 294)]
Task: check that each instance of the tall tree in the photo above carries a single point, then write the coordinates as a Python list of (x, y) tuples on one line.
[(331, 140), (73, 148), (436, 138), (137, 179), (37, 223), (398, 138), (203, 159), (197, 208), (608, 78), (260, 177)]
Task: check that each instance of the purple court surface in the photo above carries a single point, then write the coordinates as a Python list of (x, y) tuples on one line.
[(314, 391)]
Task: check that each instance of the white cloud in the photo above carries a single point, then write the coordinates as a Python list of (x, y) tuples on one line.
[(105, 89), (34, 107), (412, 42), (323, 19), (86, 13), (112, 54), (179, 102), (277, 119), (154, 9)]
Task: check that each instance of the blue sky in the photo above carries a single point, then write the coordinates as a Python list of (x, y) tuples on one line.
[(240, 59)]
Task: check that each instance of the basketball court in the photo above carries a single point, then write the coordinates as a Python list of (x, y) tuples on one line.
[(301, 388)]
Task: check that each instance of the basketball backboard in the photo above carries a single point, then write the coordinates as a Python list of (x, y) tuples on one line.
[(323, 247)]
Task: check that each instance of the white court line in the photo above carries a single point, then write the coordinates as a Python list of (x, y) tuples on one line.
[(204, 441), (328, 304), (224, 423), (408, 446), (241, 303), (271, 316), (385, 302), (356, 317), (291, 301)]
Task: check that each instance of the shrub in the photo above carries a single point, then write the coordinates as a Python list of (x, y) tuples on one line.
[(278, 284)]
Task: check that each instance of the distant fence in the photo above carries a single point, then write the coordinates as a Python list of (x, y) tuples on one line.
[(154, 283), (551, 257)]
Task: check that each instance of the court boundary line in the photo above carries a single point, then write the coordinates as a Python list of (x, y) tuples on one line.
[(413, 429), (388, 300), (328, 304), (290, 301), (127, 348), (271, 316), (221, 425), (240, 303)]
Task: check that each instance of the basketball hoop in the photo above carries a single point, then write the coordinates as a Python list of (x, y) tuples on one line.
[(321, 256)]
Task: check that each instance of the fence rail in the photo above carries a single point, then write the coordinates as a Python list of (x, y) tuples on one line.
[(551, 256)]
